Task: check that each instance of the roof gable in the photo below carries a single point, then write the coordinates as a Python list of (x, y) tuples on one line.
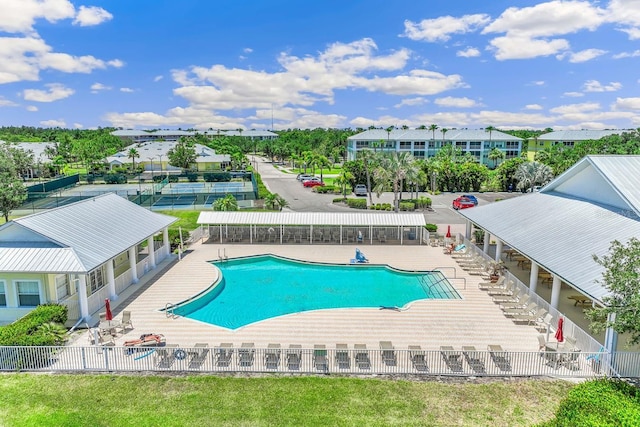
[(605, 180), (14, 232)]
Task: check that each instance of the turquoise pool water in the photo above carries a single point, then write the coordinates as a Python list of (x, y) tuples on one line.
[(258, 288)]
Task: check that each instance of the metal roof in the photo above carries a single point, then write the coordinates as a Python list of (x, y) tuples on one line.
[(312, 218), (560, 233), (427, 135), (573, 217), (155, 149), (251, 133), (39, 260), (577, 135), (131, 132), (37, 148), (95, 230)]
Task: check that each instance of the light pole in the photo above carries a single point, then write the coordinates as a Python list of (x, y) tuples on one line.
[(160, 156), (151, 160)]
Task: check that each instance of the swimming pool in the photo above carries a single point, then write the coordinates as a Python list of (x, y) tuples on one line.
[(261, 287)]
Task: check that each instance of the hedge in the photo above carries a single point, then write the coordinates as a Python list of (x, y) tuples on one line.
[(217, 177), (357, 203), (431, 228), (326, 189), (381, 207), (600, 403), (115, 178), (25, 332)]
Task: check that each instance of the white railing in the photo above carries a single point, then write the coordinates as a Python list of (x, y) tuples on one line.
[(327, 361), (123, 281), (584, 341), (73, 308), (96, 300)]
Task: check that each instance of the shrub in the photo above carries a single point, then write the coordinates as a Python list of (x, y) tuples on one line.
[(325, 189), (599, 402), (27, 331), (263, 192), (431, 228), (423, 202), (192, 177), (158, 178), (115, 178), (407, 206), (218, 177), (173, 178), (338, 200), (386, 207), (357, 203)]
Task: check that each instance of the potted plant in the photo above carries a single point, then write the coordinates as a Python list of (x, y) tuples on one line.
[(496, 269)]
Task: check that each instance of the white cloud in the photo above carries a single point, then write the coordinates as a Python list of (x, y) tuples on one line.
[(115, 63), (54, 123), (632, 104), (450, 101), (158, 78), (411, 102), (626, 54), (78, 125), (625, 13), (6, 103), (548, 19), (54, 92), (98, 87), (126, 90), (22, 58), (529, 30), (19, 16), (582, 56), (521, 47), (538, 82), (32, 108), (247, 50), (470, 52), (91, 15), (596, 86), (533, 107), (441, 29), (573, 94), (576, 108)]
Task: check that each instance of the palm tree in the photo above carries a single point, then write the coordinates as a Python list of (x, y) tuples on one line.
[(133, 154), (343, 180), (433, 128), (489, 129), (530, 174), (274, 201), (322, 162), (227, 203), (392, 171), (281, 202), (443, 130), (495, 154), (368, 158)]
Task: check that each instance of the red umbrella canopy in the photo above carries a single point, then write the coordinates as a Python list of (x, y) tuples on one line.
[(107, 309), (559, 333), (448, 231)]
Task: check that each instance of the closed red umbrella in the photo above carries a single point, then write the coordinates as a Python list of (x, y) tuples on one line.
[(107, 309), (559, 333), (448, 235)]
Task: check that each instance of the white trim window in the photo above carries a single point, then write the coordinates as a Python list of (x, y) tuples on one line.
[(3, 294), (62, 286), (28, 292), (95, 280)]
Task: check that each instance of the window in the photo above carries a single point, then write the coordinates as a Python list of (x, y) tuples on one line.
[(405, 145), (96, 280), (418, 145), (513, 144), (462, 145), (432, 144), (3, 295), (28, 293), (474, 145), (62, 286), (418, 154)]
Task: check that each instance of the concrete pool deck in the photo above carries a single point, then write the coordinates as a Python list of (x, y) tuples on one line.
[(473, 320)]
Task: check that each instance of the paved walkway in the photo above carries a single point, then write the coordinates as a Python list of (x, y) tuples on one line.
[(473, 320)]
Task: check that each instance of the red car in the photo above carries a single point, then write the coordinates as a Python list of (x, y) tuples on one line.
[(313, 183), (463, 203)]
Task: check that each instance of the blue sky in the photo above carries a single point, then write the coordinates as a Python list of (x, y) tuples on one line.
[(227, 64)]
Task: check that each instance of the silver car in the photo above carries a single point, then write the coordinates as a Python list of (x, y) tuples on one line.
[(360, 190)]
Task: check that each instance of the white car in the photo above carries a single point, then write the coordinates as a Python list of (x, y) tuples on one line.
[(360, 190)]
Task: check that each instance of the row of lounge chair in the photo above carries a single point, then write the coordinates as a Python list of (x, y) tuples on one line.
[(474, 358), (515, 303)]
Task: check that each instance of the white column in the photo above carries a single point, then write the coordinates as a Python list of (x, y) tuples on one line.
[(152, 253), (467, 232), (111, 281), (132, 264), (165, 241), (42, 292), (555, 292), (82, 296), (498, 250), (487, 237), (533, 277), (611, 336)]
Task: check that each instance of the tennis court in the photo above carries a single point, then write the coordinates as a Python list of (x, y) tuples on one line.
[(175, 201), (52, 202)]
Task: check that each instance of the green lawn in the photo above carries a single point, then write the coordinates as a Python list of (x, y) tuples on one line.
[(186, 219), (109, 400)]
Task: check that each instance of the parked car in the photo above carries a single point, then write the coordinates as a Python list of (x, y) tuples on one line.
[(314, 182), (462, 203), (360, 190), (302, 176), (472, 198)]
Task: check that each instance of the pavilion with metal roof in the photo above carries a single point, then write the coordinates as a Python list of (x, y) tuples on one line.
[(314, 227), (573, 218), (78, 255)]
